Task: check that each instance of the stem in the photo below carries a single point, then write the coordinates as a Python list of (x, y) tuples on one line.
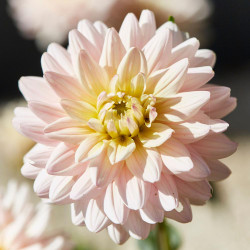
[(162, 237)]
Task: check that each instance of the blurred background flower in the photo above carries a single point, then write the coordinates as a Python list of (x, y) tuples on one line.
[(23, 225), (50, 20)]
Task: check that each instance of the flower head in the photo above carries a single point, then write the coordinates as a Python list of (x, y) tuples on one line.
[(127, 129), (22, 226)]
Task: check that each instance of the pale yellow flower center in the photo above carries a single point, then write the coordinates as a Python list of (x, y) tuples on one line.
[(124, 115)]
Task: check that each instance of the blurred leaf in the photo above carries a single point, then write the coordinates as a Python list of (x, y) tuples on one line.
[(81, 247), (164, 236)]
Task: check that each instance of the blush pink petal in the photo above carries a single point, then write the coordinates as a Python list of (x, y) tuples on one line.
[(197, 77), (203, 57), (145, 163), (168, 194), (183, 216), (37, 89), (62, 162), (61, 55), (46, 112), (182, 106), (157, 50), (219, 171), (118, 234), (130, 32), (114, 207), (133, 191), (215, 146), (96, 220)]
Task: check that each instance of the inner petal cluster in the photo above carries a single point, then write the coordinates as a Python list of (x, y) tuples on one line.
[(123, 115)]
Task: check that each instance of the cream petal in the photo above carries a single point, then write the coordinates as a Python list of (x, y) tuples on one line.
[(77, 43), (182, 106), (132, 63), (186, 49), (215, 146), (88, 30), (219, 171), (93, 77), (96, 220), (42, 184), (175, 156), (157, 50), (29, 171), (68, 130), (145, 163), (196, 192), (79, 110), (118, 234), (120, 150), (197, 77), (155, 136), (138, 85), (101, 28), (114, 207), (133, 191), (60, 189), (66, 87), (136, 227), (61, 55), (101, 171), (168, 194), (37, 89), (50, 64), (46, 112), (152, 212), (38, 155), (190, 131), (84, 188), (82, 152), (112, 52), (172, 80), (96, 125), (78, 212), (62, 162), (130, 32), (148, 26), (218, 96), (203, 57), (177, 35), (26, 123), (183, 216), (200, 169)]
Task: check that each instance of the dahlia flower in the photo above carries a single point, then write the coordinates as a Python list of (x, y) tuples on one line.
[(127, 130), (22, 226)]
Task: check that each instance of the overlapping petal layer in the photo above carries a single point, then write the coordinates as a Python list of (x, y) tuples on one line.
[(128, 131)]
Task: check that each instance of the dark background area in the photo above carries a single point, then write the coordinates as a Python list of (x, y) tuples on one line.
[(231, 41)]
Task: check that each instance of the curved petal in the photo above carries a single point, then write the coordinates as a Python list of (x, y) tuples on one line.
[(215, 146), (133, 191), (130, 32), (155, 136), (145, 163), (114, 207), (176, 156), (168, 194), (118, 234)]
